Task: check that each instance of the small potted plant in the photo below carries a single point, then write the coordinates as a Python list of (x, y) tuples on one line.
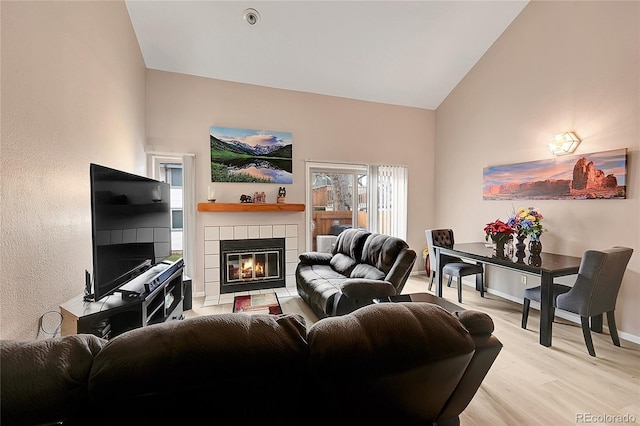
[(499, 232)]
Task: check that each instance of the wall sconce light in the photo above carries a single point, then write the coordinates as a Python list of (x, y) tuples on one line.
[(564, 143)]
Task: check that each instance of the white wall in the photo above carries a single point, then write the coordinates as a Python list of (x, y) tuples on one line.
[(72, 94), (560, 66)]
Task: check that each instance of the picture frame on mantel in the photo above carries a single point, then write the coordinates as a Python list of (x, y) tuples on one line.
[(251, 156), (600, 175)]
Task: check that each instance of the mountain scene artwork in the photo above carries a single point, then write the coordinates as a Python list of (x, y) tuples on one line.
[(247, 155), (599, 175)]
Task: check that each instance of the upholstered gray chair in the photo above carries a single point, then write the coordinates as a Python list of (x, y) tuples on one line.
[(594, 292), (453, 266)]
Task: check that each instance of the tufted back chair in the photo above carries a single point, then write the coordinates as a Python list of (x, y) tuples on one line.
[(440, 238)]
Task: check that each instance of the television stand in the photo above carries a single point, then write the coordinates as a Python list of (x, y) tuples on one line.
[(140, 305)]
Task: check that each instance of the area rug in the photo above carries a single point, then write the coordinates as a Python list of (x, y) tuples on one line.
[(257, 304)]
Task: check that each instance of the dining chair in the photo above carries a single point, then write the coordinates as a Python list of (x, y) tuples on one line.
[(594, 292), (452, 266)]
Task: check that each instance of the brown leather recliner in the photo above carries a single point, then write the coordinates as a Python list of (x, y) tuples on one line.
[(362, 267), (387, 363), (421, 368)]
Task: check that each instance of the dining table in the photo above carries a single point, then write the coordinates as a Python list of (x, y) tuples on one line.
[(547, 266)]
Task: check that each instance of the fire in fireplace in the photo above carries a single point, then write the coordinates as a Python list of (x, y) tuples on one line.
[(251, 264)]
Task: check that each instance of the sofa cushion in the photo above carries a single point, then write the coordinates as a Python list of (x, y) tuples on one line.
[(369, 272), (351, 242), (381, 251), (312, 257), (232, 366), (169, 357), (342, 264), (389, 372), (320, 283), (365, 342), (43, 381)]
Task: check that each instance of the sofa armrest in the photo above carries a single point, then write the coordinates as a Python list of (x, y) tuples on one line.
[(401, 268), (315, 258), (364, 289), (45, 381), (478, 323), (480, 327)]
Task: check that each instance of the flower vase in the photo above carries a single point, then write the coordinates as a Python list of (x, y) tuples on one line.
[(535, 247), (499, 247), (520, 245), (535, 260)]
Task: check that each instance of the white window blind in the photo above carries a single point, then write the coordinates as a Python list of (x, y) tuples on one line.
[(390, 202)]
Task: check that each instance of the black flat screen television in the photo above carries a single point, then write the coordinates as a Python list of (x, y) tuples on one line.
[(131, 226)]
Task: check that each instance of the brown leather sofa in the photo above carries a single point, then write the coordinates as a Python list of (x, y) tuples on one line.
[(362, 267), (389, 363)]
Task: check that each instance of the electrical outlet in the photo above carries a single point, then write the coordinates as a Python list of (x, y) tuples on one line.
[(523, 279)]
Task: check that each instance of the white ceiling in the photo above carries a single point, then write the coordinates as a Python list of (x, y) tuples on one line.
[(410, 53)]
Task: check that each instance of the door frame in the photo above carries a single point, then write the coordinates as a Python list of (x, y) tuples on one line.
[(327, 167)]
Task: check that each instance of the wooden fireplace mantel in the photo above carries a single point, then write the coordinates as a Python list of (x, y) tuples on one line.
[(250, 207)]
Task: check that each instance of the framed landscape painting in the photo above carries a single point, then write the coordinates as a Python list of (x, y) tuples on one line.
[(246, 155), (600, 175)]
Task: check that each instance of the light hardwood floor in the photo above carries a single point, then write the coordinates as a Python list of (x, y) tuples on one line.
[(530, 384)]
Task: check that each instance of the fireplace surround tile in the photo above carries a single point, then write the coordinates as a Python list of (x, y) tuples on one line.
[(211, 233), (240, 233), (253, 231), (291, 256), (279, 231), (212, 247), (266, 231), (226, 233)]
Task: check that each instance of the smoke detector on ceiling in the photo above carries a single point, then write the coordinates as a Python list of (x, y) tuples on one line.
[(251, 16)]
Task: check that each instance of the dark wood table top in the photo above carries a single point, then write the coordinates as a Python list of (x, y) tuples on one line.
[(546, 262)]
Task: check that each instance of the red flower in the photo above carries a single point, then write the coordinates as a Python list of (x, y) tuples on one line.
[(497, 230)]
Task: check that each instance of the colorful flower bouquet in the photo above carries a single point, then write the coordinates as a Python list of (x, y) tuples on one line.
[(527, 223)]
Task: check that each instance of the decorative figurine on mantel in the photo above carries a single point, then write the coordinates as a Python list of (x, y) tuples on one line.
[(259, 197), (282, 195), (246, 199)]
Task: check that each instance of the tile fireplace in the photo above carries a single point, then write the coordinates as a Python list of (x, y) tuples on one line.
[(218, 238)]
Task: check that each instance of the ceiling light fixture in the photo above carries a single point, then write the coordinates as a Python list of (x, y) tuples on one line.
[(251, 16), (564, 143)]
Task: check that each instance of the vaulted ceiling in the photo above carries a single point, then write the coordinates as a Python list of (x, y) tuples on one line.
[(410, 53)]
